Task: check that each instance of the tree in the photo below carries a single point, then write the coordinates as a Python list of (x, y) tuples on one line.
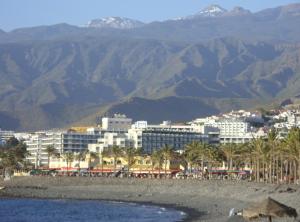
[(80, 157), (12, 142), (167, 154), (292, 142), (50, 150), (229, 151), (156, 160), (260, 152), (272, 143), (12, 156), (69, 157), (92, 155), (130, 153), (192, 154), (115, 152)]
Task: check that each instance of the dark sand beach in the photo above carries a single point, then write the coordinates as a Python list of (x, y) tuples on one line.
[(201, 200)]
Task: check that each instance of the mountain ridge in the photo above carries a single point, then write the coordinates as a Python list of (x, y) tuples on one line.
[(54, 76), (54, 83), (114, 22)]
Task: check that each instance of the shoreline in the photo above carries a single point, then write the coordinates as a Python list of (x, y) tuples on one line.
[(199, 200)]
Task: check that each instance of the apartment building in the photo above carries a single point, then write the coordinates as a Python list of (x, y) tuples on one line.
[(231, 129), (110, 139), (153, 137), (117, 123), (62, 141), (5, 135)]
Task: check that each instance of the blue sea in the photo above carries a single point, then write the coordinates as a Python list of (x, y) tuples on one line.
[(35, 210)]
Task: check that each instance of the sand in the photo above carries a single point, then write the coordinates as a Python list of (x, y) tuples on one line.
[(201, 200)]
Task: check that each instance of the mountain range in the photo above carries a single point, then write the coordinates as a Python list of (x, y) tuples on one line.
[(210, 62)]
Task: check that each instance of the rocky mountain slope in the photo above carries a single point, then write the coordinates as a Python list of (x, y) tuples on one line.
[(53, 76)]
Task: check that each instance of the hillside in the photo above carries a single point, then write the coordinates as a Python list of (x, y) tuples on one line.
[(53, 83), (201, 64)]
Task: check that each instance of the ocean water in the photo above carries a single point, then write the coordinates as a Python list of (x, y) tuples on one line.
[(34, 210)]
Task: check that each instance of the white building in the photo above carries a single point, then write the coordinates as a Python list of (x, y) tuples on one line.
[(37, 144), (62, 141), (5, 135), (293, 118), (110, 139), (117, 123), (153, 137), (232, 129)]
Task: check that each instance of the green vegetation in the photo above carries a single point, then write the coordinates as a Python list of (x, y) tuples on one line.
[(50, 150), (12, 156)]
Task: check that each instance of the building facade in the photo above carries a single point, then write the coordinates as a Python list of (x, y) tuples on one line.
[(117, 123), (154, 137), (5, 135), (110, 139), (62, 141)]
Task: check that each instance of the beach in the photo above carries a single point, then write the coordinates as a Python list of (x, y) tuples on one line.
[(200, 200)]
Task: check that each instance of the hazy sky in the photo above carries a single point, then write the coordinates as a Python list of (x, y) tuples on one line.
[(24, 13)]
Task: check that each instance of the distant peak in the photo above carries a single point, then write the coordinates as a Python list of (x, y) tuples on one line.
[(238, 11), (114, 22), (212, 11), (291, 9)]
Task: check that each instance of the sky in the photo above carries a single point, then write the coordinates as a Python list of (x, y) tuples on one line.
[(27, 13)]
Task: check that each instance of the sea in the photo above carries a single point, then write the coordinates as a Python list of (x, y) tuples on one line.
[(40, 210)]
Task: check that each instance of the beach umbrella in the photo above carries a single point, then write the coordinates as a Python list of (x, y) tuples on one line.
[(269, 208)]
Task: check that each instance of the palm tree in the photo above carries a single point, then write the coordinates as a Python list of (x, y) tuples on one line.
[(115, 152), (91, 155), (50, 150), (69, 157), (80, 157), (156, 160), (13, 154), (103, 153), (192, 154), (167, 154), (130, 153), (293, 144), (258, 145), (229, 151), (272, 143)]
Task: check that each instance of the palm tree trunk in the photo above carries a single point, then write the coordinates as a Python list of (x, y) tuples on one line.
[(67, 167), (277, 170), (165, 168), (264, 173), (281, 168), (290, 170), (159, 170), (152, 170), (295, 172), (286, 171), (115, 164), (79, 165), (257, 170), (270, 171), (102, 165), (299, 167)]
